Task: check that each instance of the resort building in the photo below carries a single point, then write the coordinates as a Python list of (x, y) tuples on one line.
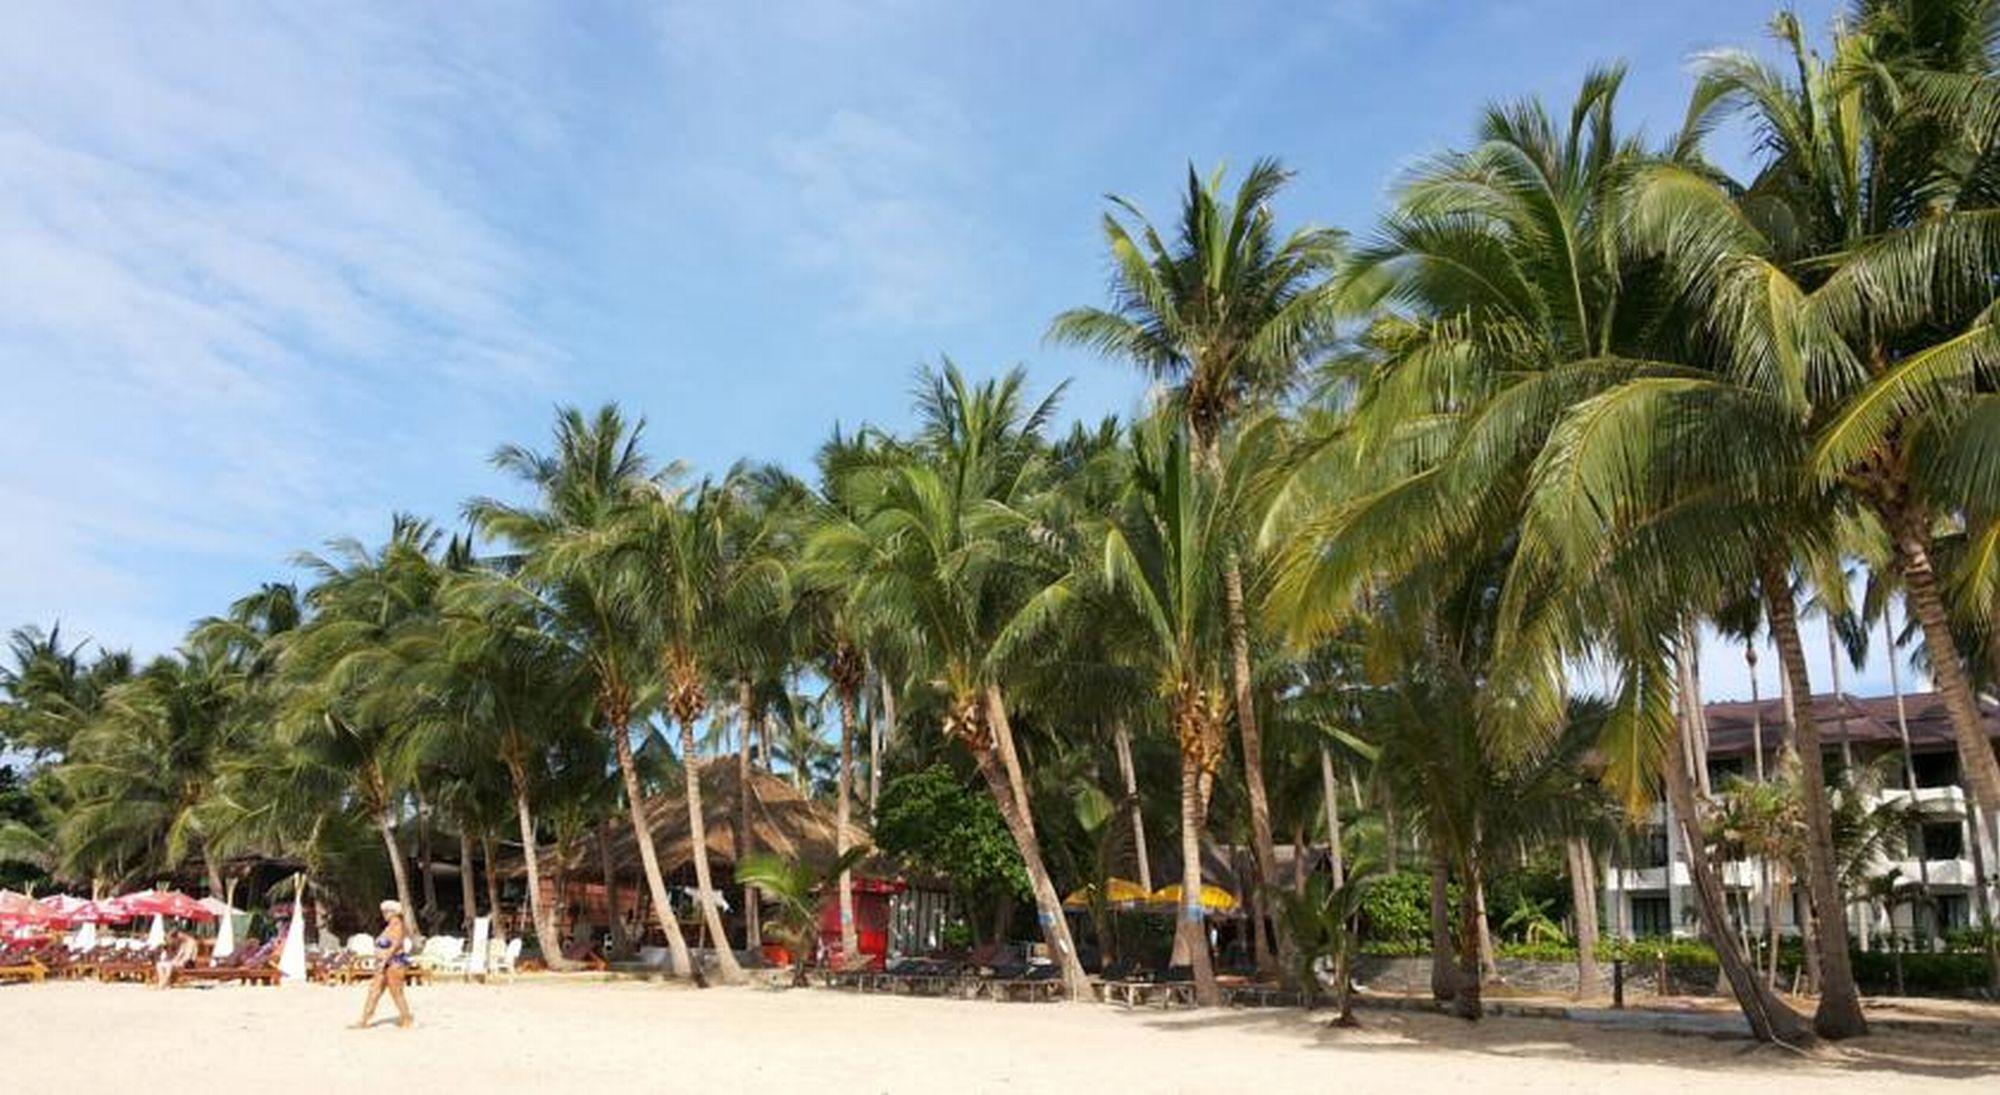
[(1941, 880)]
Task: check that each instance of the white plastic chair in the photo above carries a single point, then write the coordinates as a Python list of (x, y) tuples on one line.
[(502, 960), (361, 945)]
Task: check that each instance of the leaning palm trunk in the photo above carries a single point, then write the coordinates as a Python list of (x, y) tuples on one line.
[(746, 841), (540, 915), (1001, 768), (679, 961), (1839, 1014), (1329, 790), (1770, 1020), (386, 826), (725, 958), (1583, 899), (1975, 754), (843, 810), (1122, 737), (1262, 844)]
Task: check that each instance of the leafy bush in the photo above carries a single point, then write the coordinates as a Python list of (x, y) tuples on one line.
[(1396, 912), (1924, 974)]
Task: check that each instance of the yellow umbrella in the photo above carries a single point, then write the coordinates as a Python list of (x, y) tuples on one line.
[(1213, 898), (1117, 891)]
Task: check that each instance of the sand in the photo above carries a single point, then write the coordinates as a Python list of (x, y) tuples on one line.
[(564, 1033)]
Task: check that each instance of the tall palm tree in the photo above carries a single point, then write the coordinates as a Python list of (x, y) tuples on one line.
[(1164, 553), (347, 697), (1227, 314), (946, 549), (695, 576), (595, 599)]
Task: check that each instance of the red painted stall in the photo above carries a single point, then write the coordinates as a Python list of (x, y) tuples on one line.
[(871, 920)]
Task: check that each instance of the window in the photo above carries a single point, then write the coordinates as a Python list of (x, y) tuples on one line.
[(1935, 769), (1651, 916), (1652, 849), (1954, 911), (1943, 840)]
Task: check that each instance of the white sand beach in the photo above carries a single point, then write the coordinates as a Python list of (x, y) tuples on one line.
[(565, 1034)]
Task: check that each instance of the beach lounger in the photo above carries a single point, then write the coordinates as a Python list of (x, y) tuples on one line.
[(1036, 983)]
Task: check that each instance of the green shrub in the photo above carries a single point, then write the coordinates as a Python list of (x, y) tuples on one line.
[(1396, 911), (1924, 974)]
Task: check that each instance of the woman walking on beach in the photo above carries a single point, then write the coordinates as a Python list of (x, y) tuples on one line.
[(391, 960)]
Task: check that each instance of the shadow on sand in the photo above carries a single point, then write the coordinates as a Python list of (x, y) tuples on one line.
[(1942, 1056)]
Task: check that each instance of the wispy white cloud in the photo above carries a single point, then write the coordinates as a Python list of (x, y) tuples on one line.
[(225, 240), (867, 181)]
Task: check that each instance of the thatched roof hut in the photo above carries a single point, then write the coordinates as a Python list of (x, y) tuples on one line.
[(782, 821)]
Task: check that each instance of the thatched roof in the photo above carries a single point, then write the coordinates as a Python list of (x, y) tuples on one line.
[(782, 820)]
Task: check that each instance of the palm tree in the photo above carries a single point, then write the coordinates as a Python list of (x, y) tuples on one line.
[(945, 549), (1227, 315), (1164, 553), (347, 697), (694, 577), (593, 597), (796, 885), (1871, 221)]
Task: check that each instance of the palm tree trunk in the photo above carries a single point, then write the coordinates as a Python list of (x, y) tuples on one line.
[(425, 859), (621, 944), (540, 915), (746, 837), (1262, 844), (843, 811), (1190, 920), (1909, 759), (879, 729), (725, 958), (1839, 1014), (1329, 790), (1756, 712), (386, 825), (492, 865), (213, 868), (1121, 736), (679, 961), (1770, 1020), (1468, 1002), (468, 888), (1583, 903), (1444, 974), (1921, 595), (1002, 769), (1489, 963)]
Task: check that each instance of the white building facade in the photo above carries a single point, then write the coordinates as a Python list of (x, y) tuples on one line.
[(1949, 854)]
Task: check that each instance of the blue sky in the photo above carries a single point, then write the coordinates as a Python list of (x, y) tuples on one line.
[(270, 272)]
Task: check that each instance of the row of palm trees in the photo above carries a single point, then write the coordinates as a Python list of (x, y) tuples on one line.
[(1573, 400)]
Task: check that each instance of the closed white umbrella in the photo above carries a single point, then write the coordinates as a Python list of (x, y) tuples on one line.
[(86, 936), (292, 959), (225, 933), (156, 936), (482, 932)]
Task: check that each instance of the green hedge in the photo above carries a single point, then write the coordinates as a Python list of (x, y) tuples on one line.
[(1924, 974)]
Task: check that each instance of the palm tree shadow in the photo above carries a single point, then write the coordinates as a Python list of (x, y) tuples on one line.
[(1391, 1033)]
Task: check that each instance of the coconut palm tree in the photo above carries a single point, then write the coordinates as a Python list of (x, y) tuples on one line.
[(593, 596), (1227, 315), (694, 577), (1164, 552), (947, 548), (346, 696)]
